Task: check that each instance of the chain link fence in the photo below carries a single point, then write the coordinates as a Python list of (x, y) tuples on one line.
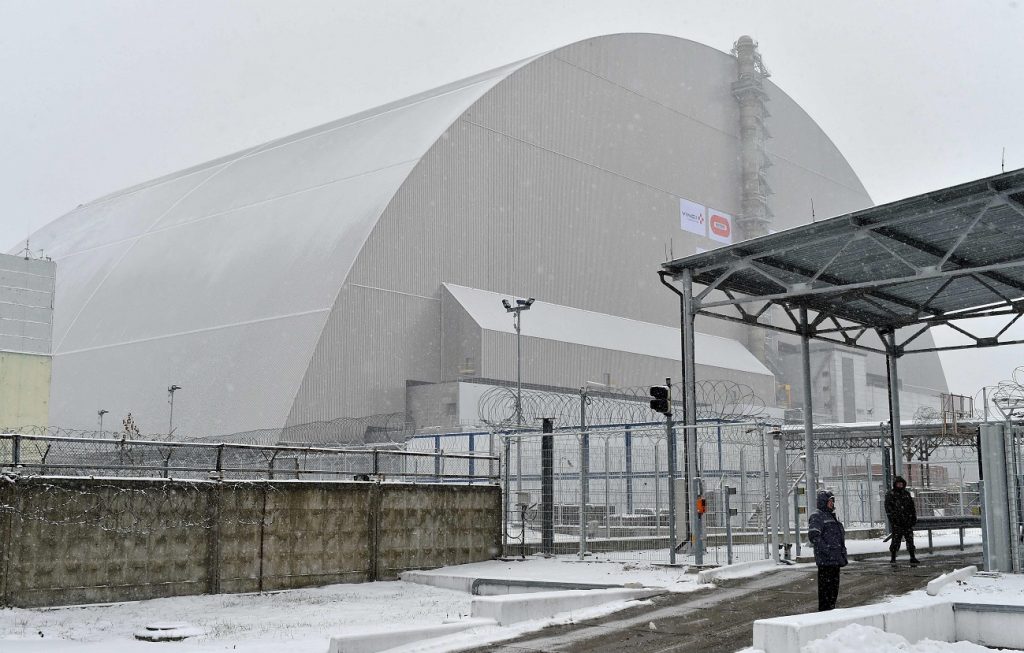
[(612, 490), (615, 490), (944, 485)]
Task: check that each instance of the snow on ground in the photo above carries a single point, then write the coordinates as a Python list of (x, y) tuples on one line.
[(304, 620), (943, 538), (296, 620), (857, 639), (1000, 589)]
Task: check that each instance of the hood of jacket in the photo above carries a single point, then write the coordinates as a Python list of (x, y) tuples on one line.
[(899, 479), (823, 497)]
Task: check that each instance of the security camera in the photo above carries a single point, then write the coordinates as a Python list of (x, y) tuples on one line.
[(505, 303)]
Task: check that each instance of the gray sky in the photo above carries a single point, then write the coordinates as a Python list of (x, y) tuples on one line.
[(100, 95)]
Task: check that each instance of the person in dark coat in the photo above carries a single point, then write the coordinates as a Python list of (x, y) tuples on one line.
[(902, 514), (828, 537)]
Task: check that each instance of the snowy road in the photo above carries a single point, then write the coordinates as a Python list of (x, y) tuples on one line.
[(721, 620)]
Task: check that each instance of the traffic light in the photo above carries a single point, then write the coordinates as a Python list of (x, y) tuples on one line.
[(661, 399)]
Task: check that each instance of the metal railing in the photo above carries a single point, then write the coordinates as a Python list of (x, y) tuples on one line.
[(67, 456)]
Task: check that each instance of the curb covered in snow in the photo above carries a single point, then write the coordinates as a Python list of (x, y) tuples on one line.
[(936, 585), (514, 608), (371, 641), (488, 611)]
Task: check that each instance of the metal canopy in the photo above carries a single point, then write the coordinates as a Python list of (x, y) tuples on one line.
[(889, 273), (938, 258)]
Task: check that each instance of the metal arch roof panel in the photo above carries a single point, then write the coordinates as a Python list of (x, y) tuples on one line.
[(256, 242)]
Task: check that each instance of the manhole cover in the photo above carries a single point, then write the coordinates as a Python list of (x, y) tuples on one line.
[(173, 631)]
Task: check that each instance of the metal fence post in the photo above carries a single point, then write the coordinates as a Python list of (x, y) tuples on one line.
[(584, 468), (657, 491), (782, 476), (796, 518), (726, 491), (985, 530), (870, 489), (607, 483), (505, 498), (628, 444), (743, 489), (771, 539), (670, 440), (547, 486), (583, 498), (437, 458), (846, 489), (16, 449)]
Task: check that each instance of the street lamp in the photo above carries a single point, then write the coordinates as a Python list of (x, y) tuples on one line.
[(170, 422), (101, 412), (517, 311)]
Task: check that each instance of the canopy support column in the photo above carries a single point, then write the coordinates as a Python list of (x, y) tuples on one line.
[(690, 415), (892, 355), (805, 351)]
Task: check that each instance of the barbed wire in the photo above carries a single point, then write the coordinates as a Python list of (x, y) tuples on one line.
[(154, 507), (384, 428), (716, 400)]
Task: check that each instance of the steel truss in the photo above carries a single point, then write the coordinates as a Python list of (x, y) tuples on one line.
[(913, 281)]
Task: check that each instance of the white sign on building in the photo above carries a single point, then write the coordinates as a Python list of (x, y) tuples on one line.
[(692, 217)]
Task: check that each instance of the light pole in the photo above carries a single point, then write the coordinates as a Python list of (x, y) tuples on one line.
[(170, 422), (101, 412), (517, 311)]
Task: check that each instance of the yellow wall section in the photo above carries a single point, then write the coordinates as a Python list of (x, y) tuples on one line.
[(24, 390)]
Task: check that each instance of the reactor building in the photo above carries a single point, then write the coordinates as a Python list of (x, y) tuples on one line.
[(354, 273)]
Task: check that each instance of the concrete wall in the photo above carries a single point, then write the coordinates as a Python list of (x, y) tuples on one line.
[(66, 541)]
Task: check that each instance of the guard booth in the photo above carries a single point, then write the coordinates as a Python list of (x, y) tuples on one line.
[(877, 280)]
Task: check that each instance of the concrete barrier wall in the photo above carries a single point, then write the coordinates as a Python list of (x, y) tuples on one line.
[(65, 541)]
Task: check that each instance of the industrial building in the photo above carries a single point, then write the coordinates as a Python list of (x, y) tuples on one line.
[(26, 312), (356, 270)]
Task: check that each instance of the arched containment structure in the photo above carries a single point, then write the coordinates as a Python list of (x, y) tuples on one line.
[(311, 278)]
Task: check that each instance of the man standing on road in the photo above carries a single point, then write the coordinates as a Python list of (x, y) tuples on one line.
[(828, 537), (902, 514)]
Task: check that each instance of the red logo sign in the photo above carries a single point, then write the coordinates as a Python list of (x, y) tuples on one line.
[(721, 226)]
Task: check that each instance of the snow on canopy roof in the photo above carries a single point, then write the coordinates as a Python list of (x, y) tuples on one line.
[(589, 328)]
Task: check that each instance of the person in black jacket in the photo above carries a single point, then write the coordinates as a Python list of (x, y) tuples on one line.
[(828, 537), (899, 508)]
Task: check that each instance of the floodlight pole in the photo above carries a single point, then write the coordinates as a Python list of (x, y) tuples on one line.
[(517, 310), (517, 316), (101, 412)]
